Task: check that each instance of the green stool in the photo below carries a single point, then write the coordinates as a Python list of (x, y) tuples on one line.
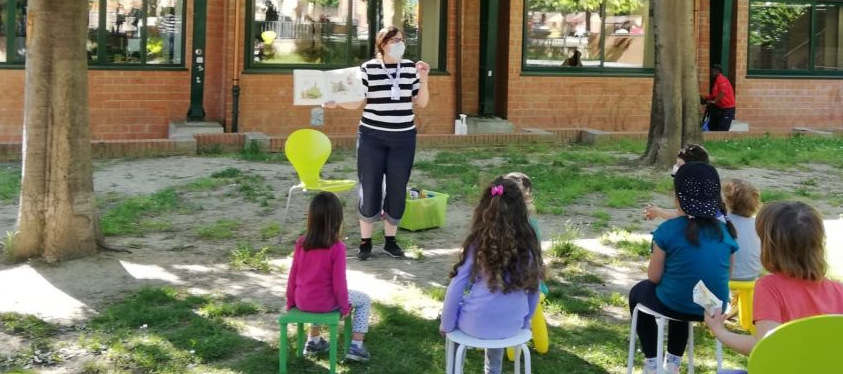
[(332, 319)]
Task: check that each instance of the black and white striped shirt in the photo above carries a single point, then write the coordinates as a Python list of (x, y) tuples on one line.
[(381, 112)]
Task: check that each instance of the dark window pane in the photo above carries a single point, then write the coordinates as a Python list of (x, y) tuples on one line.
[(829, 34), (563, 36), (779, 35), (20, 32), (93, 27), (164, 33), (123, 24), (629, 36), (301, 32), (4, 8)]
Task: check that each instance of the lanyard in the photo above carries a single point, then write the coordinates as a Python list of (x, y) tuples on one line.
[(395, 93)]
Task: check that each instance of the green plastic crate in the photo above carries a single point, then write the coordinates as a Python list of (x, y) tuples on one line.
[(426, 213)]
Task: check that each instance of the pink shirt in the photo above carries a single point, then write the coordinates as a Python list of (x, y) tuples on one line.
[(782, 299), (317, 281)]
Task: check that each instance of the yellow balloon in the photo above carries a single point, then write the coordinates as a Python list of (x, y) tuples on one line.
[(541, 340)]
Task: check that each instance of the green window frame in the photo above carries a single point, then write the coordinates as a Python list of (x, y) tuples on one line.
[(601, 70), (101, 38), (375, 22), (811, 71), (9, 18)]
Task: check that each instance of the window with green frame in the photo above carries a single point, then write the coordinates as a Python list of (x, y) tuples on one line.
[(12, 31), (125, 33), (795, 38), (326, 34), (133, 32), (588, 36)]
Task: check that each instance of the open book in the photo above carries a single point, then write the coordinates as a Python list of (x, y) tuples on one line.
[(314, 87)]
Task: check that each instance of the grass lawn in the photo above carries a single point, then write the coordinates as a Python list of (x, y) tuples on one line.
[(581, 192)]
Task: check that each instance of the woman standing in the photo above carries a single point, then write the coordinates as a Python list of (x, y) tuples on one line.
[(386, 142)]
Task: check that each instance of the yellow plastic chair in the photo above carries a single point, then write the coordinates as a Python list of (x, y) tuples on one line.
[(308, 150), (744, 291), (808, 345)]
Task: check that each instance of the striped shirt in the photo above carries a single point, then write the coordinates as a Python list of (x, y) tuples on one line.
[(381, 112)]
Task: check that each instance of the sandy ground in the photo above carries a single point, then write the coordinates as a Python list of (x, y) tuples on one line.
[(75, 290)]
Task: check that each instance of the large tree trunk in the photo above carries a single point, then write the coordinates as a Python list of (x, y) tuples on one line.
[(675, 113), (57, 216)]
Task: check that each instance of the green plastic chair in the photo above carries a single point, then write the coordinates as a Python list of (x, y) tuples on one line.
[(808, 345), (308, 150), (298, 317)]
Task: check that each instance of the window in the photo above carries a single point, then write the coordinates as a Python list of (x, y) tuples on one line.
[(12, 31), (588, 36), (780, 37), (326, 34), (134, 32)]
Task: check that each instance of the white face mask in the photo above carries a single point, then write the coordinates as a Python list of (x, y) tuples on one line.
[(396, 50), (675, 169)]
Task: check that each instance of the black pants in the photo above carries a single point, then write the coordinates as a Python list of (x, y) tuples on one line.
[(721, 119), (677, 338), (384, 155)]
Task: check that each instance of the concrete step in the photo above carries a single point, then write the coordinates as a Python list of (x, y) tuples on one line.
[(489, 125), (182, 129)]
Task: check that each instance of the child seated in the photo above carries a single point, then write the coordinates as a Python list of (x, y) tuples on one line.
[(688, 153), (742, 201), (793, 251), (317, 282), (495, 285), (693, 247)]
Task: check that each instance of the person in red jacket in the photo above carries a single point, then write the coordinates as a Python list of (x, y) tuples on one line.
[(722, 98)]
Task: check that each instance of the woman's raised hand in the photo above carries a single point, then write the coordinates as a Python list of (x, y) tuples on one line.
[(423, 70)]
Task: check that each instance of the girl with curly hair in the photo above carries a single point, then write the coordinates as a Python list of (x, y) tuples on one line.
[(495, 284)]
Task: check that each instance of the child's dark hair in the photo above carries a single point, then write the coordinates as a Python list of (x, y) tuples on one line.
[(507, 253), (702, 224), (324, 222), (693, 152)]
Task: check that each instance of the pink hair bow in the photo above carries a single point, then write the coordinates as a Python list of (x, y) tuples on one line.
[(497, 190)]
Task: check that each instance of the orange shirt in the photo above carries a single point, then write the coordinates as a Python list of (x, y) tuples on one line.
[(782, 299)]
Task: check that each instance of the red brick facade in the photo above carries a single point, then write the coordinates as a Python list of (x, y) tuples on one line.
[(140, 104)]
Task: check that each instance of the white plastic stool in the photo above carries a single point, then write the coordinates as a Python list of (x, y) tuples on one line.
[(455, 358), (661, 321)]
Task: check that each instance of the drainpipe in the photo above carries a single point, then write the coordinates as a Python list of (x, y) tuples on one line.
[(235, 73)]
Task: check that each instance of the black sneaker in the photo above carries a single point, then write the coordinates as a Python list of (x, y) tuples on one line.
[(391, 248), (365, 250), (320, 346)]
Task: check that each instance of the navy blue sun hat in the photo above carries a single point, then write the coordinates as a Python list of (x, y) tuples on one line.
[(697, 187)]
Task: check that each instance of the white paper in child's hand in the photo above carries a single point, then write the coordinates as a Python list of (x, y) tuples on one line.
[(704, 298)]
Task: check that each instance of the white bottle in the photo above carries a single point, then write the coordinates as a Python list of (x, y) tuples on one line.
[(461, 126)]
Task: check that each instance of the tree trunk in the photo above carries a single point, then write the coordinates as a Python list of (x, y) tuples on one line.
[(57, 215), (675, 113)]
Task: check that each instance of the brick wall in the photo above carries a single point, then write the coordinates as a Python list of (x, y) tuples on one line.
[(702, 31), (606, 103), (266, 102), (129, 104), (783, 103)]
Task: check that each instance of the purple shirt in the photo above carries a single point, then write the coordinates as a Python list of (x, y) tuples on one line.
[(476, 311)]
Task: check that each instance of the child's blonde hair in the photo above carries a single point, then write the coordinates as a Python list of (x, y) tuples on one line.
[(526, 186), (741, 197), (792, 240)]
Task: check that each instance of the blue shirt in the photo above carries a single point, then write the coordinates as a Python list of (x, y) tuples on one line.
[(686, 264)]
